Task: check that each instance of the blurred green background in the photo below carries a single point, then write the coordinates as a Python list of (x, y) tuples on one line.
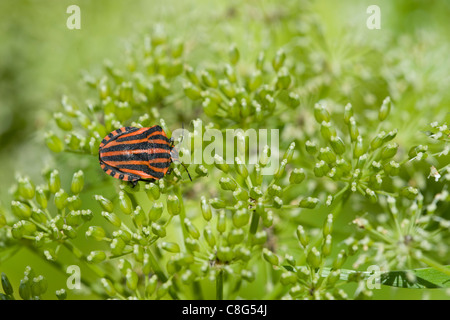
[(41, 60)]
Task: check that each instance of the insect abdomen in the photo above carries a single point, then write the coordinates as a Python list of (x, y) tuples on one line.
[(142, 152)]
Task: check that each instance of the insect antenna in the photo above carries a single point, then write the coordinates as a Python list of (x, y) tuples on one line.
[(185, 168)]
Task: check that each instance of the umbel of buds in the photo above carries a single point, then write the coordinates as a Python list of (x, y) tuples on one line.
[(274, 217)]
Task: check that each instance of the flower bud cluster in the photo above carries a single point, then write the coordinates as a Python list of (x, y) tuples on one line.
[(124, 95), (47, 213), (363, 164), (227, 94), (31, 287), (169, 239), (407, 235), (318, 272)]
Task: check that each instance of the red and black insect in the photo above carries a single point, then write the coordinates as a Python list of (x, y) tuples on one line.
[(133, 154)]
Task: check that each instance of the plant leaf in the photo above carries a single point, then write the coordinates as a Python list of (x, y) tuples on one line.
[(425, 278), (428, 278)]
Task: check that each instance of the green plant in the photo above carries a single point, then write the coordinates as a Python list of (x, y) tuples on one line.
[(353, 187)]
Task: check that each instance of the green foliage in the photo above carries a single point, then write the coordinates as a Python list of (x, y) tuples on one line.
[(354, 187)]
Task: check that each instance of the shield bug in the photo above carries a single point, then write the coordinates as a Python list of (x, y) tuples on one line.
[(133, 154)]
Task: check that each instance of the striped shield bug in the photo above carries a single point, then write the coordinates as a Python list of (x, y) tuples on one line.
[(133, 154)]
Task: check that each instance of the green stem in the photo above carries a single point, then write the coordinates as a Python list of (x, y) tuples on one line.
[(126, 228), (177, 191), (79, 254), (9, 252), (138, 294), (277, 292), (443, 168), (47, 213), (379, 235), (341, 197), (285, 206), (345, 194), (235, 290), (249, 183), (387, 194), (159, 272), (62, 269), (40, 225), (219, 285), (197, 289), (156, 267), (254, 223), (338, 194), (434, 264), (287, 188)]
